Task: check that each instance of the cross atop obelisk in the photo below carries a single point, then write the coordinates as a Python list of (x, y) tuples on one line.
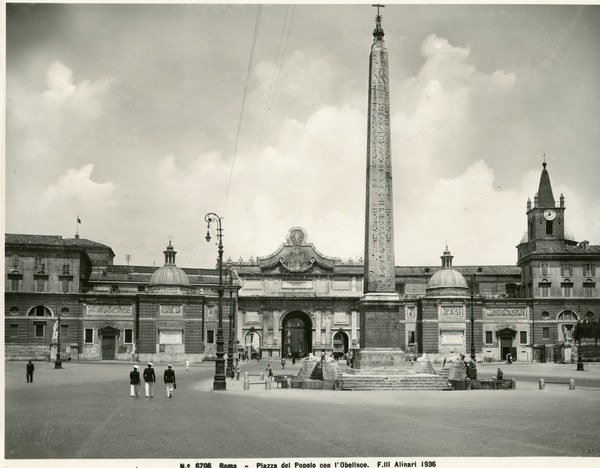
[(378, 32), (379, 276)]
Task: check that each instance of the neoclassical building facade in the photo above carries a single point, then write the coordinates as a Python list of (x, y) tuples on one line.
[(297, 300)]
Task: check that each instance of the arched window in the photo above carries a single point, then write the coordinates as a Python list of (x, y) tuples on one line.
[(567, 320), (40, 311)]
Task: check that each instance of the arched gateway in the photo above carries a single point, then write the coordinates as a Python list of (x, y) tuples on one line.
[(296, 338)]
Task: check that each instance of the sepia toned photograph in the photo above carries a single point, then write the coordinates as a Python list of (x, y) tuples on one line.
[(303, 235)]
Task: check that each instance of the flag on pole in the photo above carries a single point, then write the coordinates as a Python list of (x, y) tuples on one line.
[(78, 220)]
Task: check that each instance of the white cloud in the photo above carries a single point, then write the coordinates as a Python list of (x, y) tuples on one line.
[(42, 115), (76, 188)]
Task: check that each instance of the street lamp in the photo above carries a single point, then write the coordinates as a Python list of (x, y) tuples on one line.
[(219, 381), (230, 345), (58, 362)]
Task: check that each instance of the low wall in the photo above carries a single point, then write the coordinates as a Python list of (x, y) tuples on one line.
[(487, 384)]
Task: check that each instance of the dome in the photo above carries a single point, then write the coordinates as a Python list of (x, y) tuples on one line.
[(447, 281), (447, 278), (169, 278), (169, 275)]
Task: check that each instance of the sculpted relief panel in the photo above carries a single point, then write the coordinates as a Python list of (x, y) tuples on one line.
[(171, 310), (452, 311), (505, 312), (99, 309)]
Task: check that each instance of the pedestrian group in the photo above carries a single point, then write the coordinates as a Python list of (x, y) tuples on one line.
[(149, 380)]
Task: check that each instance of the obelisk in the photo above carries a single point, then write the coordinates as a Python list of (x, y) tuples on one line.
[(382, 331), (379, 224)]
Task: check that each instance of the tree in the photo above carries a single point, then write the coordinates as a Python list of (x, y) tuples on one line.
[(587, 328)]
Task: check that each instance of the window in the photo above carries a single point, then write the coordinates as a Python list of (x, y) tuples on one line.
[(14, 310), (14, 283), (128, 336), (546, 333), (64, 332), (545, 315), (588, 289), (66, 285), (40, 284), (567, 270), (64, 311), (39, 329), (411, 337), (66, 268), (114, 289), (489, 337), (589, 315), (589, 270), (549, 228), (544, 268), (531, 230), (523, 337), (566, 315), (89, 335), (210, 336), (15, 261), (141, 288), (14, 331), (567, 289), (544, 289)]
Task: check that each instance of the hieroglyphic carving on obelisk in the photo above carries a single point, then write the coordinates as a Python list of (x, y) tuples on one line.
[(379, 229)]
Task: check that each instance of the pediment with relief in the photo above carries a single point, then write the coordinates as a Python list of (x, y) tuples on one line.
[(296, 256)]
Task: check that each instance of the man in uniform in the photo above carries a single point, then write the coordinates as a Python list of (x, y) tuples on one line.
[(134, 382), (169, 378), (149, 379)]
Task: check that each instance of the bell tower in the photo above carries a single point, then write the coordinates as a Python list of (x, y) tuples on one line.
[(545, 219)]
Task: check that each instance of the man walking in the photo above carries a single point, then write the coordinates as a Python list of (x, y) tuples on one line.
[(149, 379), (169, 378), (134, 382), (30, 369)]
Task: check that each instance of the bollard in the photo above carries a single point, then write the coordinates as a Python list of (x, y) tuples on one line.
[(572, 384), (262, 376), (267, 385), (514, 382), (542, 384), (289, 382), (246, 384), (246, 376)]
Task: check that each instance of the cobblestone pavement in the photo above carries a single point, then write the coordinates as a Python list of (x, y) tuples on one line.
[(84, 412)]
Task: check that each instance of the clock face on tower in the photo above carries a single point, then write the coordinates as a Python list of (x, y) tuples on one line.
[(549, 214)]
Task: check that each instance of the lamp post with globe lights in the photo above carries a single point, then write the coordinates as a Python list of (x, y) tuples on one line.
[(219, 380)]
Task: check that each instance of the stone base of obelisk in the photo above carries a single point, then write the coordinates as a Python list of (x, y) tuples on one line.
[(381, 321), (382, 336)]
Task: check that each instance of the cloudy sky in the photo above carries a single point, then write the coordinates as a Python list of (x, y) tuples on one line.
[(143, 118)]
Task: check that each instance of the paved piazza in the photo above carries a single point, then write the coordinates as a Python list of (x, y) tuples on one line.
[(84, 411)]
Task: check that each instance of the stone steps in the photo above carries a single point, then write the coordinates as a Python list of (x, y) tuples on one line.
[(394, 382)]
